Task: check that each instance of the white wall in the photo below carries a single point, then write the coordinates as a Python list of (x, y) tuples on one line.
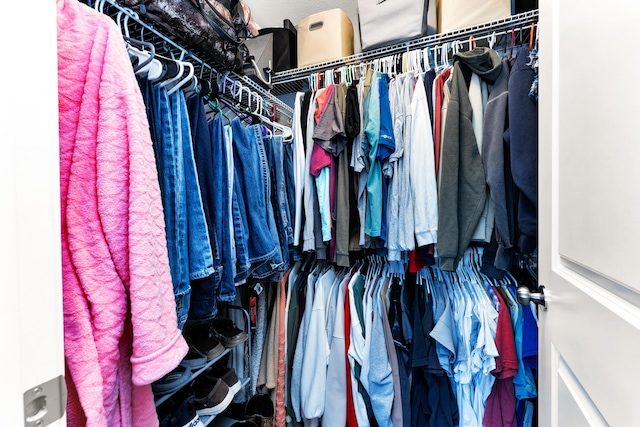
[(31, 331), (271, 13)]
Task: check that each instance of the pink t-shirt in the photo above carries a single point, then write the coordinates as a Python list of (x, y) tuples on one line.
[(319, 157)]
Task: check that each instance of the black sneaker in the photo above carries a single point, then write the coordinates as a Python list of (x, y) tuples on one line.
[(228, 375), (204, 341), (212, 395), (226, 332)]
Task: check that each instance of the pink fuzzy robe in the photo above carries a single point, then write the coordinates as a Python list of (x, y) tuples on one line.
[(120, 323)]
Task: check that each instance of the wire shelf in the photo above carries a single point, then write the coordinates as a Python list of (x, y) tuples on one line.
[(294, 80)]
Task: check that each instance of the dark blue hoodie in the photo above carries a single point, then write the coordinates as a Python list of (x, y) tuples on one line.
[(523, 139)]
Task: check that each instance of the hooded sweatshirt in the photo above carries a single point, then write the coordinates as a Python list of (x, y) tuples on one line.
[(493, 157), (463, 192)]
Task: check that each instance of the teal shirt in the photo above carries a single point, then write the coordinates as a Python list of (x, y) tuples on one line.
[(370, 144)]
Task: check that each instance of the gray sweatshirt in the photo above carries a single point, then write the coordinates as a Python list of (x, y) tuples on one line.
[(493, 158), (462, 181)]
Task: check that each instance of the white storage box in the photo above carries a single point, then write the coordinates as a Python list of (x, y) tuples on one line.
[(456, 14), (324, 36), (392, 21)]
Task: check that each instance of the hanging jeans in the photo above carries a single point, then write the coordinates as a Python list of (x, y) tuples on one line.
[(279, 201), (204, 290), (222, 198), (252, 229), (171, 175), (240, 227), (276, 263), (287, 148), (189, 250), (202, 273)]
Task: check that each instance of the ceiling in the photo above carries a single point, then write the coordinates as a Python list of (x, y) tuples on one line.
[(271, 13)]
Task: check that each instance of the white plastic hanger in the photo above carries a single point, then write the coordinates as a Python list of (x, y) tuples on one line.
[(248, 90), (434, 53), (153, 69), (235, 89), (455, 47), (191, 87), (440, 64), (328, 78), (258, 71), (492, 40), (310, 81), (99, 6), (259, 106), (426, 56), (449, 47), (169, 82), (143, 58)]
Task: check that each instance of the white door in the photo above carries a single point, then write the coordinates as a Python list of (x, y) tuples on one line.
[(589, 209), (31, 333)]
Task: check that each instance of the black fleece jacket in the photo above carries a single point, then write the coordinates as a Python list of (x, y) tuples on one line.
[(523, 139)]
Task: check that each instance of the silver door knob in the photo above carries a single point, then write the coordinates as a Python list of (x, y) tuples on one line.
[(525, 296)]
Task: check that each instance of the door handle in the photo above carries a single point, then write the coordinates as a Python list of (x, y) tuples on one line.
[(525, 296)]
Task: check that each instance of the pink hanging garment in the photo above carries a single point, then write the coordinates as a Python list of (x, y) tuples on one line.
[(120, 324)]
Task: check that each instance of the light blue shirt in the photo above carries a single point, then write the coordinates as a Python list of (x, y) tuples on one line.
[(322, 187), (380, 374)]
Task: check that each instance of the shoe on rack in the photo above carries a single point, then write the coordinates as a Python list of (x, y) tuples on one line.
[(228, 375), (169, 421), (173, 381), (185, 416), (226, 332), (203, 340), (260, 410), (212, 395), (194, 360)]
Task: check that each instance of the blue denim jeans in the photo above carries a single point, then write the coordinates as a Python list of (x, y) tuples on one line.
[(287, 148), (279, 200), (240, 227), (200, 254), (250, 207), (171, 176), (204, 290), (222, 197), (267, 168)]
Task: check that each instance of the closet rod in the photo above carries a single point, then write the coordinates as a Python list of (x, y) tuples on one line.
[(290, 80), (165, 45)]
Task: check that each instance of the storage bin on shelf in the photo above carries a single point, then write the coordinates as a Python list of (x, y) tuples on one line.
[(456, 14), (387, 22), (324, 36)]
